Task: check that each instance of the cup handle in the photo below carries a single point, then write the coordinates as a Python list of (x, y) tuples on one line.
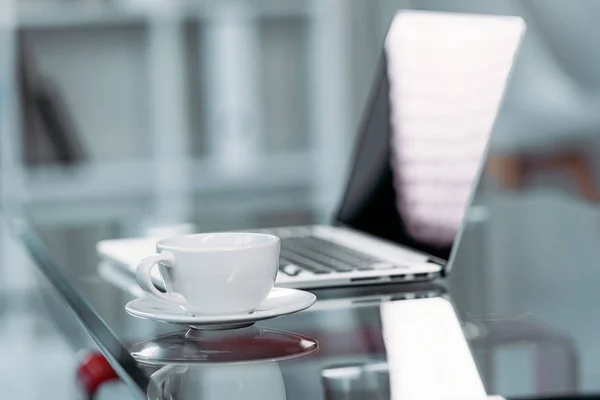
[(156, 387), (144, 279)]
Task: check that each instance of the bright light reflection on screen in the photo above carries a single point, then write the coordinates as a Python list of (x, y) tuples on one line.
[(447, 74)]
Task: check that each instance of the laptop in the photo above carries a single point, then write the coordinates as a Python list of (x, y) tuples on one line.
[(418, 157)]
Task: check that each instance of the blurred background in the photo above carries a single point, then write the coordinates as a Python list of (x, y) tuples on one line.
[(131, 117)]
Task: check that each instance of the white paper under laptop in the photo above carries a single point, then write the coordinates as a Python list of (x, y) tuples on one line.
[(418, 157)]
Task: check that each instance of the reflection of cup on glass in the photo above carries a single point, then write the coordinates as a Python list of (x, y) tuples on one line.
[(367, 380), (218, 381)]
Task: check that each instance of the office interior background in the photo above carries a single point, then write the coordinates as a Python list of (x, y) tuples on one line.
[(238, 114)]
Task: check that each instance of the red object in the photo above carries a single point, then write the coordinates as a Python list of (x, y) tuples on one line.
[(93, 371)]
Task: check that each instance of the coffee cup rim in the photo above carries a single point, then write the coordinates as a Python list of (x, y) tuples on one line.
[(167, 243)]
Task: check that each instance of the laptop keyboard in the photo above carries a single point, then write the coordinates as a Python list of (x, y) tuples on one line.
[(321, 256)]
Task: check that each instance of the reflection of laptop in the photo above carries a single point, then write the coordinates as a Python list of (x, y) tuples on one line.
[(418, 158), (401, 369)]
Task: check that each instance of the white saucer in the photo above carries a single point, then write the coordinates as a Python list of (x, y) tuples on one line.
[(281, 301)]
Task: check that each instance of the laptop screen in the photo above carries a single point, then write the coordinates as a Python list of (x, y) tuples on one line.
[(425, 132)]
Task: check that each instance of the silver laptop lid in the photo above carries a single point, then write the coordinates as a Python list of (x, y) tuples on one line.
[(423, 140)]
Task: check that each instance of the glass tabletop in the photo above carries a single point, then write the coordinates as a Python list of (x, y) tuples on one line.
[(515, 328), (145, 119)]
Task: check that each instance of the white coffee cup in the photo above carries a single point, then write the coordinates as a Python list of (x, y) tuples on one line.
[(214, 273)]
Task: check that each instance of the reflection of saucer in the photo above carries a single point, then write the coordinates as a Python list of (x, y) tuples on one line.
[(246, 345), (281, 301)]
